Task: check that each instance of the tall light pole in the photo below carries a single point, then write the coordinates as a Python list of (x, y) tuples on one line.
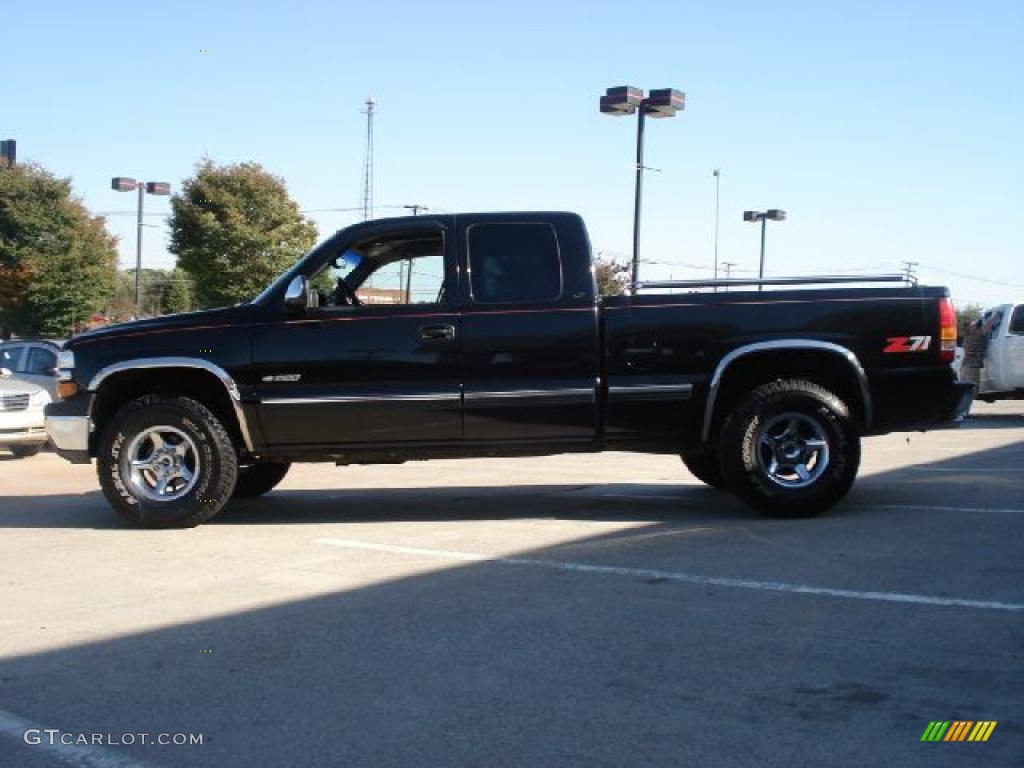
[(371, 108), (625, 100), (125, 184), (718, 177), (772, 214)]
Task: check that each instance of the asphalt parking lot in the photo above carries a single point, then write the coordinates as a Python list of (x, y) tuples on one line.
[(601, 610)]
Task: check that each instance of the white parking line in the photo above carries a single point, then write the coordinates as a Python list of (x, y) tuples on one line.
[(686, 578), (13, 727)]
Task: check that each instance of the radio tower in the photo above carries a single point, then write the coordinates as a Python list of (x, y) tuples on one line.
[(368, 160)]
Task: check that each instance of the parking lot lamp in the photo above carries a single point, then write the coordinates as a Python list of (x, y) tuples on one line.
[(125, 184), (625, 100), (772, 214)]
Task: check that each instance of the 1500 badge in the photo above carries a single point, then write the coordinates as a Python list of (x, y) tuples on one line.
[(907, 344)]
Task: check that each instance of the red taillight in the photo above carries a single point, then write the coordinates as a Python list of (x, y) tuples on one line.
[(947, 330)]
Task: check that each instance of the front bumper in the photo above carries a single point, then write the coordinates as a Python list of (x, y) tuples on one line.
[(22, 427), (69, 429), (28, 436)]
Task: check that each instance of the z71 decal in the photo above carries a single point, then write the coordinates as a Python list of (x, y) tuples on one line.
[(907, 344)]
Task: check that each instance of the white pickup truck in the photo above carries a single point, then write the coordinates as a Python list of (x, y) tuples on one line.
[(1002, 378)]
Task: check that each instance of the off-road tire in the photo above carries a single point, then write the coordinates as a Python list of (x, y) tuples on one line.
[(704, 466), (218, 462), (257, 479), (24, 451), (752, 482)]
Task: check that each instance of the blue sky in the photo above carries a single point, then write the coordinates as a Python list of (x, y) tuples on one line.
[(889, 131)]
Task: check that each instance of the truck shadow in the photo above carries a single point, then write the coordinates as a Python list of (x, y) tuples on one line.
[(994, 420), (988, 479), (606, 502)]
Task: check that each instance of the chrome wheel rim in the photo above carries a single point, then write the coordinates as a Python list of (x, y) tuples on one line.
[(161, 464), (792, 450)]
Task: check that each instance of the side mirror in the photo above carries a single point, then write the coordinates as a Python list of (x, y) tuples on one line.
[(6, 372), (296, 298)]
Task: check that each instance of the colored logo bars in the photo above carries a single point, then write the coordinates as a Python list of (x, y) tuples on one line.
[(959, 730)]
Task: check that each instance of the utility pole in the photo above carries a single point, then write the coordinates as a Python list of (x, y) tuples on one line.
[(371, 106), (728, 265), (416, 209), (138, 256), (910, 270), (718, 176)]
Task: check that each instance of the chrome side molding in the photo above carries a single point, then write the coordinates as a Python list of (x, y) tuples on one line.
[(443, 397), (652, 391)]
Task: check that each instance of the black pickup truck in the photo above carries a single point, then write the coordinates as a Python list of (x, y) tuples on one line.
[(483, 335)]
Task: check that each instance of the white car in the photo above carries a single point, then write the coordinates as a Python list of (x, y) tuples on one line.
[(22, 429), (1002, 378), (33, 360)]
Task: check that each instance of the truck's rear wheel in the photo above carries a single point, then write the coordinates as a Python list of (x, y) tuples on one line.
[(257, 479), (704, 466), (166, 462), (790, 449)]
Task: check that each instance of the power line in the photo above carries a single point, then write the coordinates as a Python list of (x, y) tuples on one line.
[(129, 213), (970, 277)]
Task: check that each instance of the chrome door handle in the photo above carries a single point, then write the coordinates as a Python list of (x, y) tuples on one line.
[(436, 334)]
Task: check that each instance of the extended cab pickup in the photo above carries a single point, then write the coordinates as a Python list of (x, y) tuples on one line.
[(483, 335)]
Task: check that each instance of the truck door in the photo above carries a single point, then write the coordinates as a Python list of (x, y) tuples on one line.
[(380, 368), (529, 329), (1014, 350)]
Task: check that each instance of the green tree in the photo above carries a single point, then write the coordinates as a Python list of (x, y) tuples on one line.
[(612, 275), (57, 263), (163, 291), (965, 316), (178, 292), (233, 229)]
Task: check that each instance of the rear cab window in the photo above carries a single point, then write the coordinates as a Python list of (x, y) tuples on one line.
[(41, 360), (1017, 321), (514, 263)]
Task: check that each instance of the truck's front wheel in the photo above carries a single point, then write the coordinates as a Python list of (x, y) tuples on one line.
[(167, 462), (790, 449)]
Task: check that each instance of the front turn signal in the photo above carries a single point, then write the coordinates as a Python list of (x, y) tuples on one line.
[(66, 389)]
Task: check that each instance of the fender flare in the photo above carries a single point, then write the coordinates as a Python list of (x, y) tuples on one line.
[(779, 345), (149, 363)]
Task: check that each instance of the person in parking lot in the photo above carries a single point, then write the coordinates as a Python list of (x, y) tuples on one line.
[(976, 340)]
